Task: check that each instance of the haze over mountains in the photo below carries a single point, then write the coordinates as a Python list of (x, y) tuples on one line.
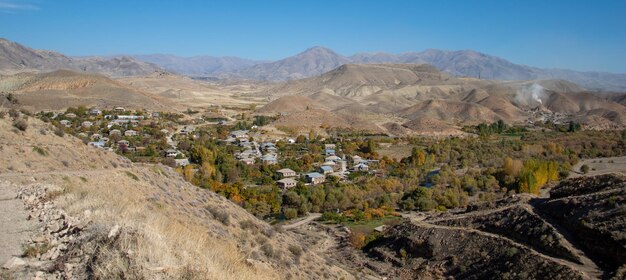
[(318, 60), (311, 62), (16, 58)]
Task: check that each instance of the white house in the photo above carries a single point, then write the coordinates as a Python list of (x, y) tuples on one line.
[(287, 183), (130, 132), (171, 153), (286, 172), (87, 124)]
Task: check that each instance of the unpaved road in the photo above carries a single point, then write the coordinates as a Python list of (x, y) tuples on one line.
[(303, 221), (15, 230)]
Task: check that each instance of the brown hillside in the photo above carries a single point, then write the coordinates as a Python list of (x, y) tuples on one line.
[(290, 104), (61, 89), (455, 112), (316, 118)]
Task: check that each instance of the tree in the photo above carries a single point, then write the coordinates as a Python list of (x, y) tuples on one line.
[(356, 239), (290, 213)]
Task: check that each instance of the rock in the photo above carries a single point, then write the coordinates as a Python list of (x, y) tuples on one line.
[(114, 231), (39, 238), (14, 262)]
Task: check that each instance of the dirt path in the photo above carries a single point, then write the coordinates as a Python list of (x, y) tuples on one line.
[(15, 230), (303, 221), (591, 272)]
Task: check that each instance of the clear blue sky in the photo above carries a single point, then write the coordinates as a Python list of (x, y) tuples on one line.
[(575, 34)]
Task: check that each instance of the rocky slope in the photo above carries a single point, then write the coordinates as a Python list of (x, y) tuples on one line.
[(576, 233), (99, 216)]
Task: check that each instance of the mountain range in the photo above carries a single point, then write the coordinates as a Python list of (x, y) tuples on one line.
[(318, 60), (15, 58), (311, 62)]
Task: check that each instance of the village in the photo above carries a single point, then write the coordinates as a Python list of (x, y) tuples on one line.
[(159, 137)]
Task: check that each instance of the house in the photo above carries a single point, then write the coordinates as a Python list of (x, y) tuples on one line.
[(330, 146), (171, 153), (329, 152), (119, 109), (123, 142), (380, 228), (129, 117), (70, 115), (357, 159), (66, 123), (82, 135), (325, 169), (96, 136), (239, 134), (156, 114), (315, 178), (285, 172), (269, 159), (87, 124), (287, 183), (98, 144), (95, 112), (332, 158), (361, 167), (291, 140), (187, 130), (130, 133), (115, 132), (182, 162), (104, 139)]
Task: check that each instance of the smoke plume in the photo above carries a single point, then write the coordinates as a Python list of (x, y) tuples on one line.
[(530, 95)]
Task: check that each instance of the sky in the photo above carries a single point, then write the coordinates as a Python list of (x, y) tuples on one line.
[(573, 34)]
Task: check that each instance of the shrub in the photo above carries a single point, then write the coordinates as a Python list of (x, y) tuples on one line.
[(584, 169), (14, 113), (357, 239), (268, 250), (40, 151), (247, 224), (33, 250), (220, 215), (58, 131), (295, 250), (132, 175), (20, 124)]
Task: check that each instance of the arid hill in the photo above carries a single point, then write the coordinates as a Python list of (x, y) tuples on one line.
[(62, 89), (290, 104), (99, 216), (410, 91), (194, 93), (316, 119)]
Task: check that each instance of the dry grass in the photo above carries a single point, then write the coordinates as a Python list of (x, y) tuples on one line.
[(162, 244)]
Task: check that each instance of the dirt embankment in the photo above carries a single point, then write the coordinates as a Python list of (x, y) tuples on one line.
[(579, 232)]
